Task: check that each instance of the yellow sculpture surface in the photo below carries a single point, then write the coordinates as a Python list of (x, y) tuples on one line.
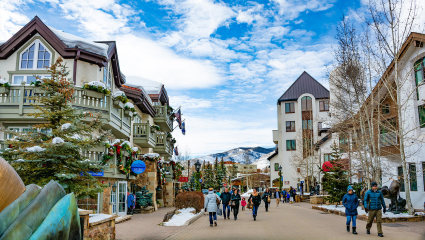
[(11, 185)]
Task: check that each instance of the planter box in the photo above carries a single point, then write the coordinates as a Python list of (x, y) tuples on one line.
[(128, 113), (93, 94), (4, 90), (38, 90), (118, 103)]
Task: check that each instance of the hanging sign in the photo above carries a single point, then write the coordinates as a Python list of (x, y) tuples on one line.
[(138, 167), (183, 179)]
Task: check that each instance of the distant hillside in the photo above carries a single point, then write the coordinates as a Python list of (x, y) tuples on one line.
[(244, 155)]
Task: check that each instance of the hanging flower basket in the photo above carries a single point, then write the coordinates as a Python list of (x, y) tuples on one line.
[(93, 94), (95, 89), (128, 113), (118, 103), (4, 90), (38, 90)]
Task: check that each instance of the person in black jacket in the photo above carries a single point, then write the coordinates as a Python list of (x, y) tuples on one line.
[(225, 199), (266, 198), (234, 202), (255, 200)]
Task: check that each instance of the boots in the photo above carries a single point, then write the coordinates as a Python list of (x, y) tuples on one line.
[(215, 223), (255, 218), (348, 228), (354, 230)]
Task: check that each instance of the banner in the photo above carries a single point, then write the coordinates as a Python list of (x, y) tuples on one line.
[(183, 127)]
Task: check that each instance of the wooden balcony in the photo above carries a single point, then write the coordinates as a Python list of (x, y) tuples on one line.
[(143, 135), (17, 103), (163, 145), (162, 118)]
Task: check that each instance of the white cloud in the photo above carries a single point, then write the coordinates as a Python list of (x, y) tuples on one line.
[(11, 19), (290, 9), (189, 103)]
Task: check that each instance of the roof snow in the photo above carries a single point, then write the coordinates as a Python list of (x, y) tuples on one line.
[(151, 87), (73, 41)]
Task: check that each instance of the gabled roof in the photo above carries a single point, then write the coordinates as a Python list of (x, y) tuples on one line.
[(276, 152), (304, 84), (139, 96), (67, 45), (156, 90)]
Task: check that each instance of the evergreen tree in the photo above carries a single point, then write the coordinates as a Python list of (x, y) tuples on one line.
[(233, 170), (335, 181), (217, 175), (53, 149), (209, 180)]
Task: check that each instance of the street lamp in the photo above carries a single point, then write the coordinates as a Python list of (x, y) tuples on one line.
[(280, 178), (197, 166)]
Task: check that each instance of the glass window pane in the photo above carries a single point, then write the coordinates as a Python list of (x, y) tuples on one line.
[(40, 47), (421, 113), (25, 55), (31, 79), (29, 65), (32, 48), (46, 55), (40, 55), (419, 77), (401, 178), (23, 64), (412, 175), (31, 55), (39, 63), (18, 79), (46, 63)]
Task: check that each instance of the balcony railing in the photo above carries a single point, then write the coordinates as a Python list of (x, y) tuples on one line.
[(19, 101), (163, 145), (143, 135), (388, 139), (162, 118)]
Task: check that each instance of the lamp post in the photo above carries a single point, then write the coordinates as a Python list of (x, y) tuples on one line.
[(197, 182), (280, 178), (197, 166)]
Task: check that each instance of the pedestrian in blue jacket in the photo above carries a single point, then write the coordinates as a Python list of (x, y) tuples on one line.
[(373, 203), (350, 202)]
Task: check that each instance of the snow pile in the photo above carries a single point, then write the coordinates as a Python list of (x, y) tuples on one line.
[(248, 193), (151, 155), (182, 217), (97, 84), (57, 140), (98, 217), (135, 149), (76, 137), (128, 105), (20, 160), (362, 212), (3, 81), (65, 126), (125, 143), (116, 141), (117, 94), (35, 149), (151, 87)]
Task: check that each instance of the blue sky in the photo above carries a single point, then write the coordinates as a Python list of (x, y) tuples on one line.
[(224, 62)]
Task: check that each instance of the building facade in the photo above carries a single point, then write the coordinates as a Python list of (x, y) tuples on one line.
[(147, 129), (302, 121)]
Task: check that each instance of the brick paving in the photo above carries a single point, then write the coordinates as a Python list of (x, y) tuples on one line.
[(289, 221)]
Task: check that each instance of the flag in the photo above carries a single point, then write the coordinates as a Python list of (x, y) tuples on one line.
[(178, 115), (176, 151), (183, 127)]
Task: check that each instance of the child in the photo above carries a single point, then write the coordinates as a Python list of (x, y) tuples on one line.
[(350, 202), (288, 196), (243, 203)]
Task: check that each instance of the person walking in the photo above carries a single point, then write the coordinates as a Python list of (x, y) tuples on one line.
[(283, 195), (234, 203), (243, 204), (131, 203), (373, 203), (350, 202), (266, 198), (255, 200), (293, 193), (225, 198), (288, 196), (211, 206), (277, 195)]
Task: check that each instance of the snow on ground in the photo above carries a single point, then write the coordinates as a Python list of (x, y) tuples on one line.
[(360, 211), (248, 193), (98, 217), (57, 140), (35, 149), (65, 126), (181, 218)]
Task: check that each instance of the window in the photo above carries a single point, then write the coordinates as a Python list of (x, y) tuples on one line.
[(306, 103), (107, 76), (412, 175), (307, 124), (326, 157), (290, 145), (423, 174), (27, 79), (290, 126), (289, 107), (42, 58), (401, 178), (385, 109), (324, 105), (421, 113)]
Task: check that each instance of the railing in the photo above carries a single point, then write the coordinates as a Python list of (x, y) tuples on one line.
[(142, 131), (388, 139), (18, 101), (162, 116), (163, 145)]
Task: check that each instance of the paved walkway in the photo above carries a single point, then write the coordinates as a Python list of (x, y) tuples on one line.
[(295, 221)]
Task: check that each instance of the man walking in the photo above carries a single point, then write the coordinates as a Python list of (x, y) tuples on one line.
[(373, 203), (225, 199), (277, 196)]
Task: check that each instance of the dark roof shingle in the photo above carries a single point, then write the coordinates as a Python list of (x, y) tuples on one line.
[(304, 84)]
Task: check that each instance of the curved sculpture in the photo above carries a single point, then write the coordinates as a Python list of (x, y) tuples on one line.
[(11, 186), (37, 213), (398, 204)]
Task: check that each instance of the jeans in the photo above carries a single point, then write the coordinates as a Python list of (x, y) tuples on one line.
[(213, 215), (254, 210), (349, 220), (266, 204), (235, 210), (226, 207)]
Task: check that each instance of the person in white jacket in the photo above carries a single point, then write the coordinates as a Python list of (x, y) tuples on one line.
[(211, 205)]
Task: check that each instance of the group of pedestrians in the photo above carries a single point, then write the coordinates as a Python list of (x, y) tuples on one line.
[(373, 204)]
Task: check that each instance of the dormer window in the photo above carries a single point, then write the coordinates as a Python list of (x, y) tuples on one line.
[(36, 56)]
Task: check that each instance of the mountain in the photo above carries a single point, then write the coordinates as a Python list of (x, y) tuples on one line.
[(244, 155)]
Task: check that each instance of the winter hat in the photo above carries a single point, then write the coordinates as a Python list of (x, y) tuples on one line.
[(349, 188), (374, 184)]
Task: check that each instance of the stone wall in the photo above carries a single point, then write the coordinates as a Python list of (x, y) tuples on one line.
[(104, 230), (149, 179), (168, 191)]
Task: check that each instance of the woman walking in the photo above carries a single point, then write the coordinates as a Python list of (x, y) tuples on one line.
[(350, 202), (211, 206), (234, 203), (266, 198), (277, 196), (255, 200)]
